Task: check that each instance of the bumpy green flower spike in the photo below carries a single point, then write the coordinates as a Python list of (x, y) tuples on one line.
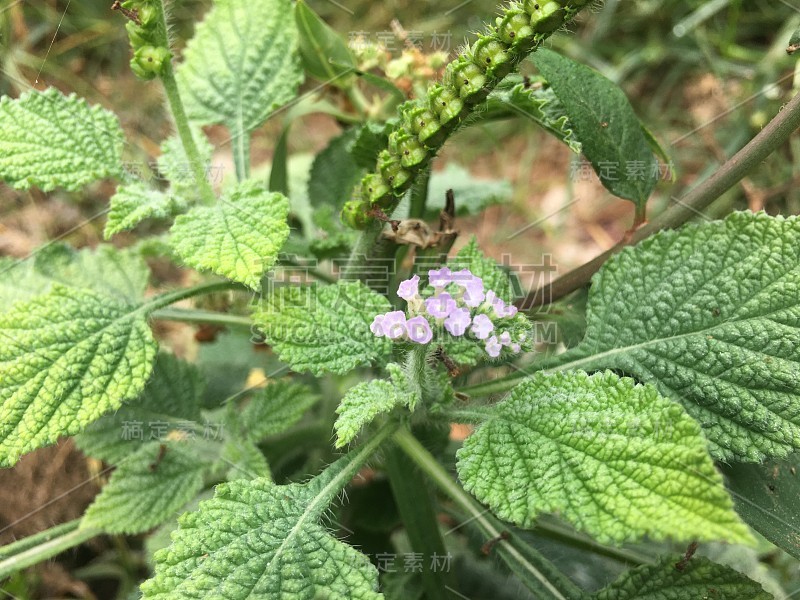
[(148, 37), (427, 122)]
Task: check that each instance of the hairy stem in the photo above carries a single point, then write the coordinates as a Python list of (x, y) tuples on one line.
[(44, 547), (691, 205), (199, 290), (207, 317), (181, 120), (533, 569)]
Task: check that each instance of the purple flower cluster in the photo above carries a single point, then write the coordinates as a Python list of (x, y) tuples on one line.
[(459, 303)]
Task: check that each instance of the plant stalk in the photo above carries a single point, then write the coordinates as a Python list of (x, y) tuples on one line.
[(48, 548), (692, 204), (206, 317)]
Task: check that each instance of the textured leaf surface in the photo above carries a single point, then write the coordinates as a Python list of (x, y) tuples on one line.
[(334, 173), (238, 238), (369, 399), (608, 129), (147, 489), (175, 165), (170, 401), (614, 458), (276, 408), (49, 140), (699, 578), (241, 64), (494, 277), (118, 273), (258, 540), (472, 194), (134, 203), (324, 329), (67, 357), (767, 496), (711, 316)]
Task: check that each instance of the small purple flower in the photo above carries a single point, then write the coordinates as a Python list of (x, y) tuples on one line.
[(440, 306), (458, 321), (439, 277), (505, 338), (409, 288), (501, 309), (493, 347), (419, 330), (394, 324), (482, 326), (377, 326), (473, 287), (515, 348)]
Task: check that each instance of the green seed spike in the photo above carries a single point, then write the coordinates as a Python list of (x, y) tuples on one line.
[(355, 214), (419, 120), (446, 104), (514, 29), (376, 190), (392, 171), (467, 78), (491, 54), (407, 147), (546, 16)]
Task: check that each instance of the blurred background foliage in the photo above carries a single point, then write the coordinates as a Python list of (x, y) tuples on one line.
[(704, 76)]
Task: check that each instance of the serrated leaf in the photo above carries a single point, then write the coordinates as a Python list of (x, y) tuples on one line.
[(614, 458), (609, 131), (238, 238), (121, 274), (516, 98), (709, 315), (472, 195), (768, 498), (276, 408), (326, 329), (49, 140), (170, 402), (147, 489), (257, 540), (67, 357), (698, 578), (177, 168), (369, 399), (133, 203), (242, 459), (242, 64)]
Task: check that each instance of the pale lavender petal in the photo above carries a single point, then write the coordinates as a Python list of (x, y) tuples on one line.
[(473, 292), (505, 338), (458, 321), (419, 330), (439, 277), (482, 326), (377, 326), (394, 324), (409, 288), (493, 347), (440, 306), (515, 348)]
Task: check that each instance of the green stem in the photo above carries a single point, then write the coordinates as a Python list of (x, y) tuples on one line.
[(241, 154), (172, 297), (359, 256), (691, 205), (19, 546), (419, 195), (415, 504), (208, 317), (48, 548), (181, 120), (539, 574)]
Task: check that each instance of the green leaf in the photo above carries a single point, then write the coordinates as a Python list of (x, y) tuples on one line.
[(614, 458), (276, 408), (238, 238), (242, 459), (117, 273), (255, 539), (174, 164), (134, 203), (279, 173), (767, 496), (369, 399), (369, 141), (607, 127), (472, 195), (242, 64), (515, 97), (502, 281), (334, 173), (49, 140), (324, 330), (66, 358), (169, 402), (326, 57), (699, 578), (147, 489), (709, 315)]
